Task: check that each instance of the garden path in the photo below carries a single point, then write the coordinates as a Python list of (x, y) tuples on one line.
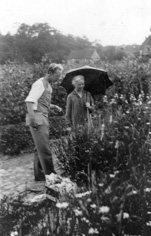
[(16, 175)]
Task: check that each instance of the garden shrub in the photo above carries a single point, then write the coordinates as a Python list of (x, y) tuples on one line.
[(13, 91), (17, 138), (14, 139), (57, 126), (118, 140), (19, 217), (111, 207), (111, 167), (130, 78), (15, 86)]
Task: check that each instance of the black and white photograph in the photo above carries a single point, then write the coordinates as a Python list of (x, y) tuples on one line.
[(75, 118)]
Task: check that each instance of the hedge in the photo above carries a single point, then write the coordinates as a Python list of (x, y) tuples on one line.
[(17, 138)]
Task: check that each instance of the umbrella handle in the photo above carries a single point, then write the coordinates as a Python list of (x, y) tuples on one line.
[(88, 119)]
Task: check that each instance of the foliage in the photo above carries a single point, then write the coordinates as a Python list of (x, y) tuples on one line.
[(15, 83), (17, 215), (31, 43), (118, 140), (130, 80), (114, 206), (111, 166), (15, 138)]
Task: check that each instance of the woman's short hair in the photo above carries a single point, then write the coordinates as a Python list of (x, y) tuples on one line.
[(77, 78), (53, 67)]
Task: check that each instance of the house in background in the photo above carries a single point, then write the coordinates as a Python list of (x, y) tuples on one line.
[(82, 56), (145, 52)]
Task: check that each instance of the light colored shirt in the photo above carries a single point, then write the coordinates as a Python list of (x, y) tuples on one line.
[(36, 92)]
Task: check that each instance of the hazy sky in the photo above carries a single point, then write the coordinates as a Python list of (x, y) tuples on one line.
[(113, 22)]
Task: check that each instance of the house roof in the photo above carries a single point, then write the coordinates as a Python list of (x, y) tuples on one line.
[(147, 50), (81, 54), (147, 41)]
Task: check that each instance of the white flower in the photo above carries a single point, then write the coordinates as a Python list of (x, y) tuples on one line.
[(125, 215), (65, 205), (93, 231), (62, 204), (108, 190), (112, 176), (147, 190), (104, 209), (134, 192), (86, 220), (15, 233), (117, 144), (44, 224), (113, 101), (101, 185), (78, 195), (89, 200), (58, 204), (93, 206), (105, 98), (148, 223), (77, 212)]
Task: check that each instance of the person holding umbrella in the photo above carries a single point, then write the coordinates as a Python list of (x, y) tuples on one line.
[(80, 83), (79, 104)]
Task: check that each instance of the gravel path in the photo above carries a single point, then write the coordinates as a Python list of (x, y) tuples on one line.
[(16, 175)]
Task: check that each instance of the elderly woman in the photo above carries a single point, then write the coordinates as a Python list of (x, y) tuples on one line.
[(79, 104)]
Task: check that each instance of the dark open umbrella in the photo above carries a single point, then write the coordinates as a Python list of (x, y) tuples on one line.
[(96, 80)]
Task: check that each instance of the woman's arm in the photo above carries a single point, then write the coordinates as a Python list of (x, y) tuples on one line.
[(68, 115), (90, 103)]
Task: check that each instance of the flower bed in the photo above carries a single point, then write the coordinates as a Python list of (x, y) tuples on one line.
[(111, 167)]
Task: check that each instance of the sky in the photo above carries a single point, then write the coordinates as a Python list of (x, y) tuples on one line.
[(111, 22)]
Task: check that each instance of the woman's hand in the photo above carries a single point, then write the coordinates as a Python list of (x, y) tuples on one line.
[(88, 105), (91, 108)]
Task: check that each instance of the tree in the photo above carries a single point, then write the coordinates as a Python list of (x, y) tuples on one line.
[(35, 41), (7, 48), (31, 43)]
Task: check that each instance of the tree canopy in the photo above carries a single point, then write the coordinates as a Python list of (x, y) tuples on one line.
[(31, 43)]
